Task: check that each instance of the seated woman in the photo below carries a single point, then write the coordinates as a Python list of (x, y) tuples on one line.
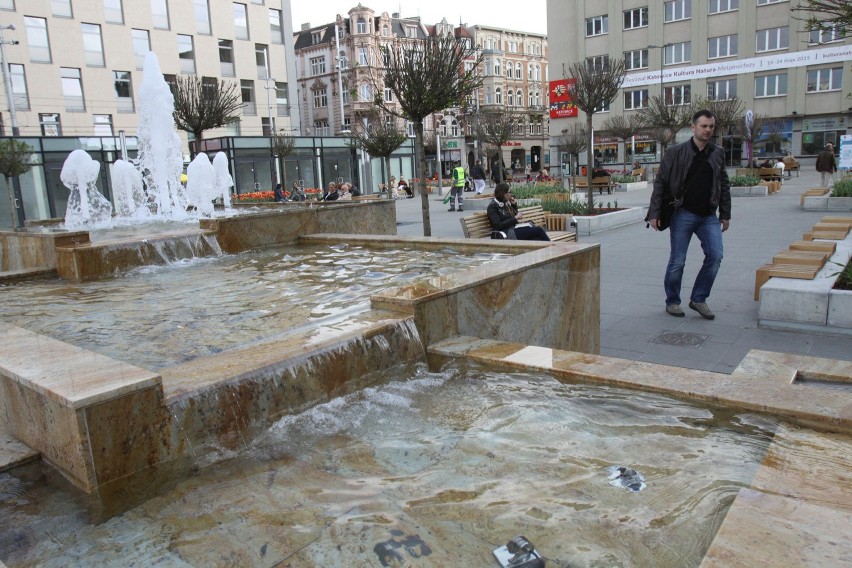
[(403, 187), (331, 194), (504, 217), (296, 194)]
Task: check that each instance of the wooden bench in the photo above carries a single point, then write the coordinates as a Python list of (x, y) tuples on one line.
[(815, 192), (639, 174), (767, 271), (477, 226), (791, 164), (600, 183), (769, 174), (821, 246), (369, 197)]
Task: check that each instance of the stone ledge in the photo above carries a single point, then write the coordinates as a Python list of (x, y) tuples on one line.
[(753, 191), (825, 203), (591, 224)]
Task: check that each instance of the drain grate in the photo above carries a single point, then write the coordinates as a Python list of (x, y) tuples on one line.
[(681, 338)]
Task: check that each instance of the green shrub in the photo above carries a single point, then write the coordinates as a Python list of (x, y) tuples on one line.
[(842, 188), (565, 206), (523, 191), (744, 181), (624, 179)]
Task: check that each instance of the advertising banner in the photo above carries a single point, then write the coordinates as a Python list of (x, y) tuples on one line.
[(560, 99)]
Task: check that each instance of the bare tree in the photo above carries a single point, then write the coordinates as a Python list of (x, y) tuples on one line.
[(572, 141), (833, 16), (495, 128), (205, 103), (623, 127), (728, 113), (752, 133), (282, 146), (380, 138), (15, 157), (425, 77), (664, 121), (774, 135), (594, 88)]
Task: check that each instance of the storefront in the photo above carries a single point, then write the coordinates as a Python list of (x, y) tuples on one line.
[(817, 132)]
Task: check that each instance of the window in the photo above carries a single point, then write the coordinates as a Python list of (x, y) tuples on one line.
[(385, 31), (316, 37), (454, 128), (770, 85), (717, 6), (814, 142), (123, 91), (518, 71), (723, 46), (37, 39), (317, 66), (635, 99), (363, 56), (321, 128), (721, 90), (61, 8), (636, 59), (678, 53), (828, 35), (531, 99), (72, 89), (113, 12), (19, 86), (93, 48), (765, 2), (261, 59), (361, 26), (241, 29), (411, 31), (635, 18), (510, 98), (7, 4), (597, 26), (366, 93), (282, 99), (498, 96), (186, 53), (276, 28), (388, 94), (508, 69), (226, 58), (677, 95), (825, 79), (497, 66), (321, 98), (773, 38), (247, 93), (202, 17), (343, 61), (678, 10), (141, 46), (102, 124), (597, 63), (171, 81), (160, 14), (50, 124)]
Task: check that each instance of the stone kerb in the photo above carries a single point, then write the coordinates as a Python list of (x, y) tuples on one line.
[(750, 191), (826, 203), (591, 224)]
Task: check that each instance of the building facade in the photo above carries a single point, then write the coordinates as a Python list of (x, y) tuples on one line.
[(755, 50), (77, 64)]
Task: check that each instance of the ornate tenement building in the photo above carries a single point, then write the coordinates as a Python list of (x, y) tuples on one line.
[(756, 50)]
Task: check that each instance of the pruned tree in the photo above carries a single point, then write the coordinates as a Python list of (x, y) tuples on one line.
[(426, 76), (379, 138), (15, 157), (663, 120), (495, 127), (593, 89), (833, 16), (205, 103), (281, 145), (623, 127), (572, 141), (728, 113), (751, 132), (774, 135)]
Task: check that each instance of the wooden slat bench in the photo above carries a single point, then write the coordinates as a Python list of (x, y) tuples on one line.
[(822, 246), (791, 164), (767, 271), (815, 192), (769, 174), (600, 183), (476, 226), (639, 174), (807, 258)]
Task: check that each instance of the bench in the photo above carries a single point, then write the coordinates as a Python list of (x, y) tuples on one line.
[(769, 174), (477, 226), (815, 192), (369, 197), (767, 271), (639, 174), (600, 183), (791, 164)]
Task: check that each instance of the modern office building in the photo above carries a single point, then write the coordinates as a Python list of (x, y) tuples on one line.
[(755, 50)]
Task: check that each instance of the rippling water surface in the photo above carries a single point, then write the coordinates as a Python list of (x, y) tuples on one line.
[(428, 469), (162, 315)]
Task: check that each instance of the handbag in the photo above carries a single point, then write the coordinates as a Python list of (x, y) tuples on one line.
[(666, 211)]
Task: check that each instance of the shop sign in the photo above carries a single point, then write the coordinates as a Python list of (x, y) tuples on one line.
[(827, 123), (452, 144)]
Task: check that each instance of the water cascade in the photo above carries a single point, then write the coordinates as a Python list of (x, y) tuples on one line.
[(201, 185), (128, 192), (224, 181), (87, 207)]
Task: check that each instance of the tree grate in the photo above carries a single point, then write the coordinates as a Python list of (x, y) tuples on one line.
[(681, 339)]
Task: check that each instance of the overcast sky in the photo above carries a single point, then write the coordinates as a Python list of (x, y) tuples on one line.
[(525, 16)]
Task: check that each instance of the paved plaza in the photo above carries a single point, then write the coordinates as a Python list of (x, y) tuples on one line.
[(634, 324)]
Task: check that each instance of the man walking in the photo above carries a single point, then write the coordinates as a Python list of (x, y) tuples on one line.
[(477, 172), (692, 175), (457, 191), (826, 165)]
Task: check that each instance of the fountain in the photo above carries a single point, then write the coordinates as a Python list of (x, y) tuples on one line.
[(87, 207)]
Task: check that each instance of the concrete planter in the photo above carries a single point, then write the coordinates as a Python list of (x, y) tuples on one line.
[(591, 224), (825, 203), (632, 186), (750, 191), (840, 309)]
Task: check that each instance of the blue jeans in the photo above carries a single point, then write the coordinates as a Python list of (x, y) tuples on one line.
[(708, 229)]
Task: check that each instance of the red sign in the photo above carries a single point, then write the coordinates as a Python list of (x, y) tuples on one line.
[(560, 99)]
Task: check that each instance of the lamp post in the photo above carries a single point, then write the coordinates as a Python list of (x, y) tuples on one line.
[(7, 80), (662, 60)]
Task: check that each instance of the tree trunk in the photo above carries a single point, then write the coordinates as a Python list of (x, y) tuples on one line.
[(12, 209), (590, 162), (388, 188), (420, 150)]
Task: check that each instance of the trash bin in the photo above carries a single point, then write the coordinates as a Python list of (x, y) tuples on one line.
[(583, 171)]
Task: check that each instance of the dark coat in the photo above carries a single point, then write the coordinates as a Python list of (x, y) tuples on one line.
[(825, 162)]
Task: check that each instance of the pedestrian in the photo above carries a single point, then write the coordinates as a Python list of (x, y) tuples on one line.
[(457, 192), (506, 221), (279, 193), (826, 165), (477, 172), (692, 177)]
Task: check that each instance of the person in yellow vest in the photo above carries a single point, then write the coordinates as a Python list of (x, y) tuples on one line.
[(457, 192)]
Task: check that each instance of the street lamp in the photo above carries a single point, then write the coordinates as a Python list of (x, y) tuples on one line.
[(662, 59), (7, 81)]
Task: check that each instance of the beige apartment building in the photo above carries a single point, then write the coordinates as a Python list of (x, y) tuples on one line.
[(75, 65), (756, 50)]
